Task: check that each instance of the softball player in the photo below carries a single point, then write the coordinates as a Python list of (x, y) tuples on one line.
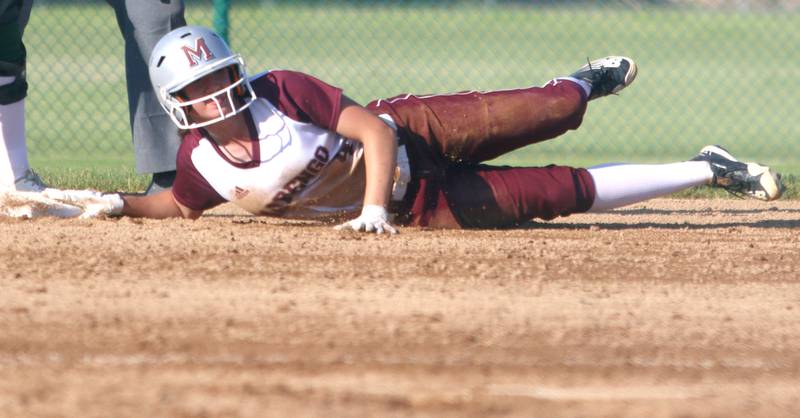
[(283, 143)]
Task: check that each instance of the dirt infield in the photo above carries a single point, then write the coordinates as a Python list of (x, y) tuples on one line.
[(671, 308)]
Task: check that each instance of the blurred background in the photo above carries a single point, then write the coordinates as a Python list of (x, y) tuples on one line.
[(725, 72)]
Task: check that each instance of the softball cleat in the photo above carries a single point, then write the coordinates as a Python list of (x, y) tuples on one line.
[(740, 178), (29, 182), (607, 75)]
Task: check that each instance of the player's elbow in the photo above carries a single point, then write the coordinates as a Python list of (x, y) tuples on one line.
[(386, 131), (181, 210), (375, 134)]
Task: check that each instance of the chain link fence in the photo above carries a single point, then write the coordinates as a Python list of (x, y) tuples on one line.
[(710, 71)]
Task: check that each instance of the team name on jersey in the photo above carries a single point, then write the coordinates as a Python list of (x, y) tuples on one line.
[(296, 185), (303, 170)]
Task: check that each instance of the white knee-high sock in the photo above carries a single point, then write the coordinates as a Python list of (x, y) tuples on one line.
[(618, 185), (13, 150)]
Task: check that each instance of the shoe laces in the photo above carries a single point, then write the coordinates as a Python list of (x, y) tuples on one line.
[(30, 181), (605, 83)]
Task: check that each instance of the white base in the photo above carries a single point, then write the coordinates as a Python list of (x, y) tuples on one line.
[(31, 205)]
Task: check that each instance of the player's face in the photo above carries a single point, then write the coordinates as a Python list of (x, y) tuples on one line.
[(209, 84)]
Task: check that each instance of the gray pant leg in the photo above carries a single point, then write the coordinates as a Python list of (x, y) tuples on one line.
[(143, 23)]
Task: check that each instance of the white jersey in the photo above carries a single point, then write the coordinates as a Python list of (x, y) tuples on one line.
[(302, 168), (304, 172)]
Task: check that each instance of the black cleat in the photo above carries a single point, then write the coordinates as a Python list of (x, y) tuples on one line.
[(738, 178), (607, 75)]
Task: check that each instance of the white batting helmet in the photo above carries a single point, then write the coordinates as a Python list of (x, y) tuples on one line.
[(187, 54)]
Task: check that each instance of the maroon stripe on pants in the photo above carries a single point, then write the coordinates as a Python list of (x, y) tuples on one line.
[(447, 135)]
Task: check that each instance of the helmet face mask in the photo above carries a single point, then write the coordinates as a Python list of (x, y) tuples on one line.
[(230, 94), (186, 55)]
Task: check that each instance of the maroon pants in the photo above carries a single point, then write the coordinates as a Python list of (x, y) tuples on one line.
[(448, 136)]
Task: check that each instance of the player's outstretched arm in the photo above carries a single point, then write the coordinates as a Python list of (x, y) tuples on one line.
[(380, 157), (157, 206), (93, 204)]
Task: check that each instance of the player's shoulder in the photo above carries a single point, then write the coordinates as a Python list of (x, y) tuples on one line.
[(278, 80), (269, 85), (298, 95), (190, 138), (278, 76), (189, 141)]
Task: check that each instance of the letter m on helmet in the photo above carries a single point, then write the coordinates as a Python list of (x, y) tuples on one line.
[(200, 52)]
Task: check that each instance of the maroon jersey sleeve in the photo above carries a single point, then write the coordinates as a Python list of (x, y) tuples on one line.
[(301, 97), (190, 187)]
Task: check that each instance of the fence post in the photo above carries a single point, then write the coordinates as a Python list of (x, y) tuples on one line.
[(221, 23)]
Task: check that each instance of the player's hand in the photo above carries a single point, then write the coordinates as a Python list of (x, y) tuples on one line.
[(92, 203), (373, 218)]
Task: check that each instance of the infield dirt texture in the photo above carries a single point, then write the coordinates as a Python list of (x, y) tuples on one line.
[(671, 308)]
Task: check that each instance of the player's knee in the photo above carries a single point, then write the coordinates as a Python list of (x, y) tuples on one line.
[(13, 84), (566, 114), (566, 104)]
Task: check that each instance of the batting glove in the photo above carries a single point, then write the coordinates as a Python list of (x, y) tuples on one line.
[(93, 203), (373, 218)]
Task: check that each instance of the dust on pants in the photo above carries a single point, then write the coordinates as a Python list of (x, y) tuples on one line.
[(448, 136)]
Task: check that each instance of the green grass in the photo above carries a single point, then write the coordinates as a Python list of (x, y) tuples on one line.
[(103, 179), (705, 76)]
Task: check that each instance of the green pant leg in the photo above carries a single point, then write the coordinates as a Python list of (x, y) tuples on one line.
[(13, 16)]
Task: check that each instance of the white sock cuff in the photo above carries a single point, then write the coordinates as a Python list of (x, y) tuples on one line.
[(587, 88)]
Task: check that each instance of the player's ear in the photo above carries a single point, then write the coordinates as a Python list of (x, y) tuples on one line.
[(233, 75)]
